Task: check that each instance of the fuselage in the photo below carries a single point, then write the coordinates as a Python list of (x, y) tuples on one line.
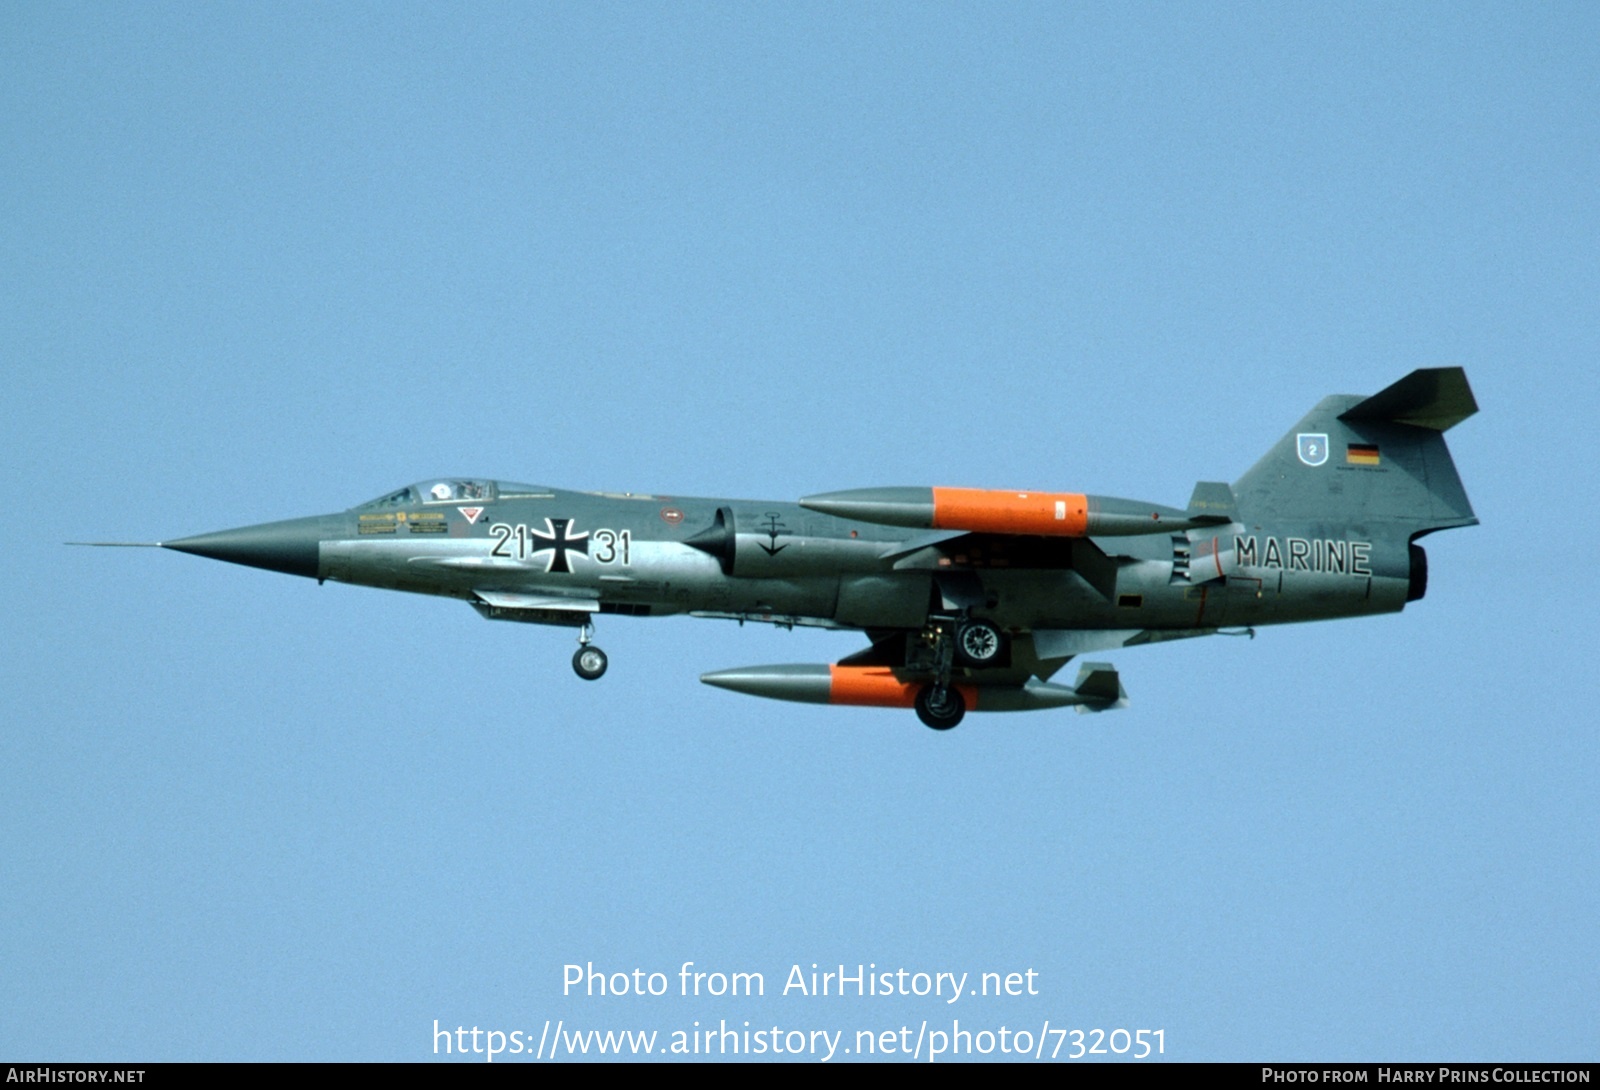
[(544, 554)]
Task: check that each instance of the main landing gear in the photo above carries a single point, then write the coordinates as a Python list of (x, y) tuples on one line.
[(979, 643), (588, 662), (940, 706), (946, 643)]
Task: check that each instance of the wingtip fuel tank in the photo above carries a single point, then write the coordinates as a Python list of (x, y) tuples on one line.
[(1098, 688), (1000, 511)]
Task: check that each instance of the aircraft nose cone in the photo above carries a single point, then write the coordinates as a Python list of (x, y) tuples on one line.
[(288, 546)]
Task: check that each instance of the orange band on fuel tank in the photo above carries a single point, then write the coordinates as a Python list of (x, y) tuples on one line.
[(1054, 514), (877, 687)]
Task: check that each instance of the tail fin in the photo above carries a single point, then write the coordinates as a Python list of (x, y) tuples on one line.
[(1377, 459)]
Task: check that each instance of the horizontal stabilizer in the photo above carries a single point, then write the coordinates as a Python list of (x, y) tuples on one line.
[(1433, 397)]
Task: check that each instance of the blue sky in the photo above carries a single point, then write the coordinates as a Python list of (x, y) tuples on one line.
[(266, 261)]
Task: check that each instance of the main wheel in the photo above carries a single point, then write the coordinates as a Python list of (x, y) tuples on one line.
[(589, 662), (944, 714), (980, 643)]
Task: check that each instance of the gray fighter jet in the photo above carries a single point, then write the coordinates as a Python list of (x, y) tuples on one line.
[(971, 599)]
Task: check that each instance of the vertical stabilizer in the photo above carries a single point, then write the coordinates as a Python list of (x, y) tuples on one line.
[(1379, 459)]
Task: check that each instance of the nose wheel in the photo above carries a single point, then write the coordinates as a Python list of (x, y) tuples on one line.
[(588, 662)]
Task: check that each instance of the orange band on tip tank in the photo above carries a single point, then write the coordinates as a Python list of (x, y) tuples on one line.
[(877, 687), (1054, 514)]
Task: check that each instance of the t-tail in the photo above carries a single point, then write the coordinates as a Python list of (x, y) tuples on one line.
[(1370, 468)]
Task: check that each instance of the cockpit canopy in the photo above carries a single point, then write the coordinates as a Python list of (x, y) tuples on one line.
[(449, 490)]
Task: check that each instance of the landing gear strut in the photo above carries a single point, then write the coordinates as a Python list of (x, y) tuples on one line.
[(589, 662), (938, 704)]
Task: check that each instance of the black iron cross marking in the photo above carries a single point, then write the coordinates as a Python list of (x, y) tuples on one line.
[(559, 544)]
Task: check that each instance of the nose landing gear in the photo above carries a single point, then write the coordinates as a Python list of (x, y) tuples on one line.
[(588, 662)]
